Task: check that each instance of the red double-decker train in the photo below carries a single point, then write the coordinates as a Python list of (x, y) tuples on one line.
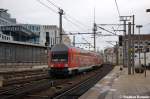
[(65, 60)]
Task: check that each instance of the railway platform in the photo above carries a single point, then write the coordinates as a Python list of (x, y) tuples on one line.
[(119, 85)]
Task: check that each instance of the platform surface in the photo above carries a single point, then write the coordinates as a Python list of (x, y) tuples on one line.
[(119, 85)]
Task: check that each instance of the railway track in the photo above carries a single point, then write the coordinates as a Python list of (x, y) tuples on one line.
[(19, 91), (67, 88), (13, 78), (74, 88), (76, 91)]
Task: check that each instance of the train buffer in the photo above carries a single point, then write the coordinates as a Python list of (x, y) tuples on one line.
[(119, 85)]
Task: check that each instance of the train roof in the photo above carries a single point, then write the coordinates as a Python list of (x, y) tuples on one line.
[(60, 47), (64, 48)]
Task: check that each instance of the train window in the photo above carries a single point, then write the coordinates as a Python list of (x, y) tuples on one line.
[(59, 56), (72, 57), (55, 60), (147, 50), (136, 42), (76, 59), (4, 37), (141, 46)]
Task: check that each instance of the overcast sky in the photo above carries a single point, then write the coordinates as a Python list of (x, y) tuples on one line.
[(32, 12)]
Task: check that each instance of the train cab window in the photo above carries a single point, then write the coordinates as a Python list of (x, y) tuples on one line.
[(147, 49), (59, 56)]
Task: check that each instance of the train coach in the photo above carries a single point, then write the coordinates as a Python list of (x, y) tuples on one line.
[(66, 60)]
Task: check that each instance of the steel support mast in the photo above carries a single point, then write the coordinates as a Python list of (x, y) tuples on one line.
[(61, 12)]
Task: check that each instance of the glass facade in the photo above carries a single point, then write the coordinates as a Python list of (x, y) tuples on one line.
[(5, 18)]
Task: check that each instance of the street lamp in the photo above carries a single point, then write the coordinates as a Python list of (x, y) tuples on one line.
[(145, 50), (139, 50)]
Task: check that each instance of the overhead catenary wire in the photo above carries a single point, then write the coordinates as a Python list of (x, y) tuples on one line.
[(87, 42), (47, 6), (77, 24), (53, 4), (69, 17), (106, 30), (77, 21), (117, 8)]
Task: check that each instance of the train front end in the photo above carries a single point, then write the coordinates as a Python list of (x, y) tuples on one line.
[(59, 60)]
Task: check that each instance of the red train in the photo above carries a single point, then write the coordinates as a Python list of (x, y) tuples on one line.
[(66, 60)]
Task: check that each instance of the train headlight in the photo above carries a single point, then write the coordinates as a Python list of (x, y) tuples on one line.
[(66, 65), (52, 65)]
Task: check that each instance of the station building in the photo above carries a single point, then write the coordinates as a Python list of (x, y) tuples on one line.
[(110, 55), (54, 36), (144, 44), (19, 33), (50, 31), (5, 18), (31, 33), (36, 34)]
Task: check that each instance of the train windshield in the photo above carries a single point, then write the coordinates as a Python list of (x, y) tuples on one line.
[(59, 56)]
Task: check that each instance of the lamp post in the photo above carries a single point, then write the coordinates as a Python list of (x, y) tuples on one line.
[(145, 50), (139, 50)]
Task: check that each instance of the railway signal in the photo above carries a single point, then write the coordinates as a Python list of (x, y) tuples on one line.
[(147, 10)]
